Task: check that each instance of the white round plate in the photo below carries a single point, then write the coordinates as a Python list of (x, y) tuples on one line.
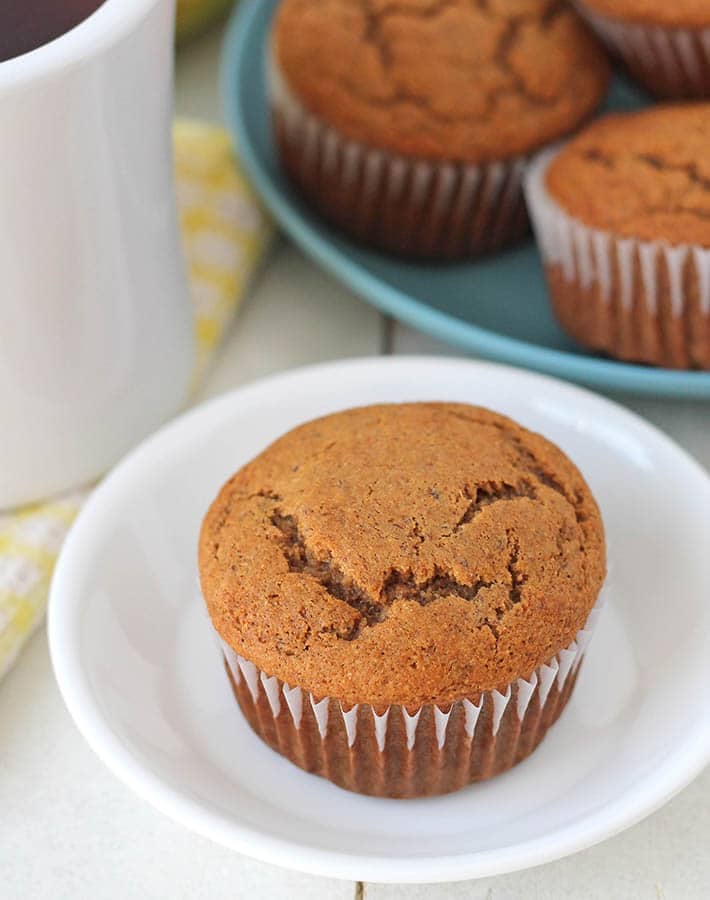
[(140, 672)]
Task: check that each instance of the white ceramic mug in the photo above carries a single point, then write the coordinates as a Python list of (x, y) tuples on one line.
[(96, 337)]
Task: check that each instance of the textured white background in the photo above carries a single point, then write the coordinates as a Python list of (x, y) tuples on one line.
[(69, 830)]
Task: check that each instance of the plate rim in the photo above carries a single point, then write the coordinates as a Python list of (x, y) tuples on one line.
[(593, 371), (677, 770)]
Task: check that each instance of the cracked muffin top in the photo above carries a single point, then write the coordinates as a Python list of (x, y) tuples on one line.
[(644, 174), (678, 13), (461, 80), (409, 553)]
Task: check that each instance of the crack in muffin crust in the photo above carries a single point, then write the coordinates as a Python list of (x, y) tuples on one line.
[(373, 34), (528, 461), (486, 494), (397, 585)]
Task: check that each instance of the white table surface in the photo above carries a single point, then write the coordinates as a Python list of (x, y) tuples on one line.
[(69, 829)]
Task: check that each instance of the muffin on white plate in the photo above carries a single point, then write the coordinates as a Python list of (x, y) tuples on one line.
[(404, 593)]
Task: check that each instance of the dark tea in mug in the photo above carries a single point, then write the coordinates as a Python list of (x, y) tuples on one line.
[(27, 24)]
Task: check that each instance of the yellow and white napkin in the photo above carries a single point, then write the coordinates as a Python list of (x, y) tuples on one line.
[(225, 234)]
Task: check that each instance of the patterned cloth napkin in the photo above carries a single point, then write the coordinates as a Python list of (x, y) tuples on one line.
[(225, 234)]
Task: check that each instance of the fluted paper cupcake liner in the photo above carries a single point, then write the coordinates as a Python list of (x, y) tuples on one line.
[(646, 301), (411, 207), (670, 62), (394, 751)]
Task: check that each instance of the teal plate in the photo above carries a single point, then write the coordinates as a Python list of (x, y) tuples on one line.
[(497, 308)]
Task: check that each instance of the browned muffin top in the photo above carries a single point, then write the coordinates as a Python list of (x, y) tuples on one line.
[(442, 79), (672, 13), (644, 174), (403, 554)]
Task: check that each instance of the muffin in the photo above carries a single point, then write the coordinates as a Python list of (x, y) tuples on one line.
[(665, 44), (403, 593), (408, 125), (622, 215)]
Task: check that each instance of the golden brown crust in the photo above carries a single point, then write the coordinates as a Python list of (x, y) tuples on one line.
[(644, 174), (404, 553), (442, 79), (671, 13)]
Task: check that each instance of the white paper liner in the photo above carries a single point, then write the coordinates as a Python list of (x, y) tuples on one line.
[(554, 673), (673, 62), (455, 209)]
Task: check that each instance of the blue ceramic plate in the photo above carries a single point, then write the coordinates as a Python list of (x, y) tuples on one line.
[(497, 308)]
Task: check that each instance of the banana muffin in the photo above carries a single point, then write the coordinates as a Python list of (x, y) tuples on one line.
[(407, 125), (402, 592), (665, 45), (622, 215)]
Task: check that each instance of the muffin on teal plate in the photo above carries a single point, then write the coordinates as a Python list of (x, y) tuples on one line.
[(408, 126)]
